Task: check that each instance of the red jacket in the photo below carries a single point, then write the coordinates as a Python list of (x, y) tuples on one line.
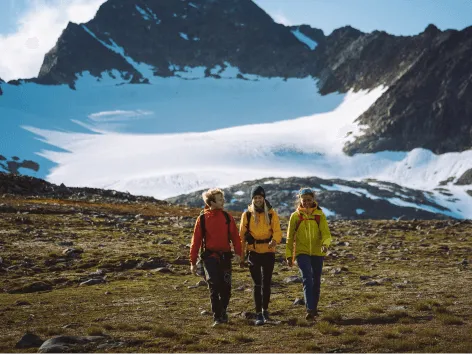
[(216, 234)]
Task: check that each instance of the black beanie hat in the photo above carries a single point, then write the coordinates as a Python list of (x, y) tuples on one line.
[(257, 190)]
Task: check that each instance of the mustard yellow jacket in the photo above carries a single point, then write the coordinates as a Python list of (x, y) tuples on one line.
[(309, 237), (260, 231)]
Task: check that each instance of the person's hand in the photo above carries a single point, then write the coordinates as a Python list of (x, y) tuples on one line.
[(324, 249), (193, 269), (272, 243), (290, 262)]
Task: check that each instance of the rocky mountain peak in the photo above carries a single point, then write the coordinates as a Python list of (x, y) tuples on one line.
[(431, 30), (172, 35)]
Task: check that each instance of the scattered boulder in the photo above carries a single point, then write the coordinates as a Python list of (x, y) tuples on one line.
[(66, 344), (31, 288), (22, 303), (465, 179), (94, 281), (163, 270), (299, 301), (29, 340)]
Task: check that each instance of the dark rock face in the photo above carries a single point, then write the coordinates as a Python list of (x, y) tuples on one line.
[(429, 105), (465, 179), (30, 186), (77, 51), (168, 34), (363, 201)]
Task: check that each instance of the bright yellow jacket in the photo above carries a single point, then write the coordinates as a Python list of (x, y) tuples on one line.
[(260, 231), (309, 237)]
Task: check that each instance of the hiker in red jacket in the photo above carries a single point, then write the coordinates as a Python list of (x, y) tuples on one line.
[(213, 234)]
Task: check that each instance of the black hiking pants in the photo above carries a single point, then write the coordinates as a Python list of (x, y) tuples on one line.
[(261, 266), (218, 277)]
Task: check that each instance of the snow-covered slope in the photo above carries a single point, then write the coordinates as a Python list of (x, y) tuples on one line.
[(156, 160)]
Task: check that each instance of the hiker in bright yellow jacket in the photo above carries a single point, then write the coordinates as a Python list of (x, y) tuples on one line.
[(260, 233), (308, 239)]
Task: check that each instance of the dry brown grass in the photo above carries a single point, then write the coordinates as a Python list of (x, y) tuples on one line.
[(422, 303)]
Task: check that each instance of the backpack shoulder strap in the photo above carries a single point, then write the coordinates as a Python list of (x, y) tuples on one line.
[(248, 218), (300, 219), (202, 227), (228, 223), (318, 219)]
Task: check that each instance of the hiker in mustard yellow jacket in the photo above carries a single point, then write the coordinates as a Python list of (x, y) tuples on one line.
[(308, 239), (260, 233)]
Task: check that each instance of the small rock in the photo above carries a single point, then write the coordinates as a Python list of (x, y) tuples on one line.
[(372, 283), (64, 344), (202, 283), (165, 242), (293, 279), (162, 270), (72, 252), (299, 301), (98, 272), (22, 303), (71, 325), (29, 340), (92, 282), (204, 313)]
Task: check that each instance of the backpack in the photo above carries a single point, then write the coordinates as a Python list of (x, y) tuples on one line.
[(249, 238)]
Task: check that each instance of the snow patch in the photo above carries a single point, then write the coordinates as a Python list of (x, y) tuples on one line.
[(310, 43), (148, 14)]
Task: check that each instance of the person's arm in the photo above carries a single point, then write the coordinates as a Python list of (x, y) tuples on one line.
[(326, 238), (276, 230), (242, 232), (233, 229), (291, 236), (196, 242)]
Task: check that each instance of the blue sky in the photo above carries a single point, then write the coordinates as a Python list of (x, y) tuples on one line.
[(29, 28)]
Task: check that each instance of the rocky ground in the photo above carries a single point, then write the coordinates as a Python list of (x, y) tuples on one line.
[(94, 275)]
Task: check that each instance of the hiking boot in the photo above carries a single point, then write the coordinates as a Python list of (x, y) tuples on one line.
[(224, 317), (265, 314), (217, 322), (311, 314), (259, 319)]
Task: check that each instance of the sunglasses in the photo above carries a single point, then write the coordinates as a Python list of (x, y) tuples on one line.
[(305, 191)]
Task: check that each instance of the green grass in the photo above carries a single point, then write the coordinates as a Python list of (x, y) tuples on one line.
[(154, 312)]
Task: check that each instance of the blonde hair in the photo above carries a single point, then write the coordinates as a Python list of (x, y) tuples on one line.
[(255, 215), (209, 195)]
